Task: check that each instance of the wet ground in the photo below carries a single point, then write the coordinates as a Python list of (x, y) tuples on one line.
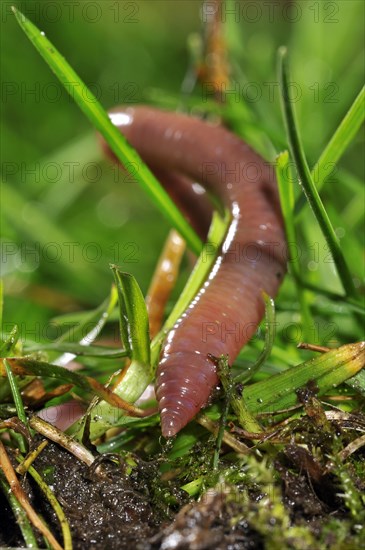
[(115, 506)]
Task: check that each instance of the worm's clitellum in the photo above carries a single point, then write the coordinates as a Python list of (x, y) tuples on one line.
[(229, 306)]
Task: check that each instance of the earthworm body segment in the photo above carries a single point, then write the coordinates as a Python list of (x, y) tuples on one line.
[(229, 306)]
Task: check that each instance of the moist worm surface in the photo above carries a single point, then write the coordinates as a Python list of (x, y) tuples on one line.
[(228, 308)]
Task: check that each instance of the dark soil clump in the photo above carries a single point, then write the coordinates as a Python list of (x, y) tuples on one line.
[(105, 508)]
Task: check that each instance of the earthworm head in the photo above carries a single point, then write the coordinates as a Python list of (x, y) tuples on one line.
[(183, 388)]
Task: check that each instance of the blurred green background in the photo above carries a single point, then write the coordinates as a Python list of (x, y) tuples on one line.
[(67, 213)]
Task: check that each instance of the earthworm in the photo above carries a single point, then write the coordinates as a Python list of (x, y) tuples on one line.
[(189, 196), (229, 306)]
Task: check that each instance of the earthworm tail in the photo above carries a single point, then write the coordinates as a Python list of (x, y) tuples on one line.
[(228, 308)]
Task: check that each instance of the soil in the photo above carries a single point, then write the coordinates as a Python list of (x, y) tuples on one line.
[(115, 506), (104, 507), (107, 509)]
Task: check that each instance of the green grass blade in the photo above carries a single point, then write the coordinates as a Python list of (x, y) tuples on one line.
[(10, 342), (337, 145), (104, 415), (327, 371), (1, 304), (306, 178), (353, 305), (245, 417), (123, 315), (19, 513), (101, 121), (134, 324), (269, 341), (79, 350), (18, 402), (134, 328), (80, 319), (286, 193), (341, 139), (7, 410), (43, 232), (52, 500), (358, 382), (89, 326)]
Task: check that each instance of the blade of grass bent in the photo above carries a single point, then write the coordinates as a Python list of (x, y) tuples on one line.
[(101, 121), (306, 179), (104, 415)]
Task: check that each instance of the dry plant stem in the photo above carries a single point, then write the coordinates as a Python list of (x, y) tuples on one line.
[(351, 448), (164, 280), (18, 426), (347, 420), (266, 414), (35, 392), (313, 347), (336, 398), (262, 436), (65, 441), (30, 458), (215, 72), (228, 439), (22, 498)]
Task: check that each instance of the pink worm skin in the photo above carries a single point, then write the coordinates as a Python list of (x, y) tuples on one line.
[(229, 306)]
